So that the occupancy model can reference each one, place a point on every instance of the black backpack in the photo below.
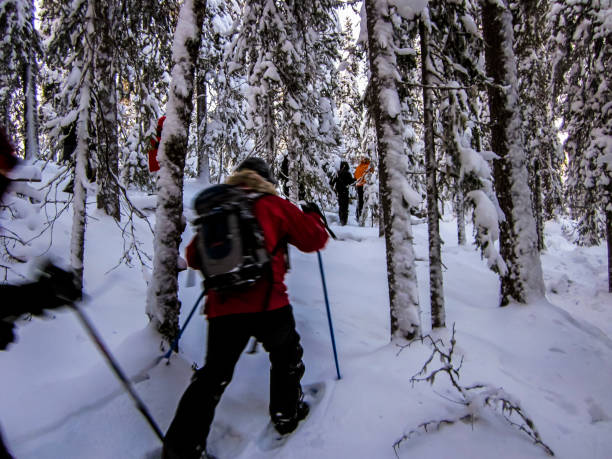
(230, 240)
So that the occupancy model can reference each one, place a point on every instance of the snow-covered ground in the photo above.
(58, 398)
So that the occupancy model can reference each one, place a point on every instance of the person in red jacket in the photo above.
(153, 164)
(262, 311)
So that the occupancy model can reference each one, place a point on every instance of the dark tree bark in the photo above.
(107, 174)
(518, 238)
(538, 205)
(609, 235)
(436, 289)
(31, 102)
(202, 127)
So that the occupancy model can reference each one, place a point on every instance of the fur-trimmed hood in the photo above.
(251, 179)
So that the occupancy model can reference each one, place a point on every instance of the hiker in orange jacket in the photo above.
(361, 172)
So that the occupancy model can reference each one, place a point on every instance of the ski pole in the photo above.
(174, 344)
(329, 319)
(143, 374)
(118, 371)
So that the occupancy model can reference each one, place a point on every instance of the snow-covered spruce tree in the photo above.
(523, 281)
(582, 63)
(211, 81)
(226, 139)
(286, 50)
(105, 90)
(542, 145)
(396, 195)
(143, 60)
(163, 305)
(19, 50)
(356, 124)
(59, 86)
(70, 36)
(313, 134)
(452, 66)
(255, 53)
(348, 98)
(411, 113)
(468, 177)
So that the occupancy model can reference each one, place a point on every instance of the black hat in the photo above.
(257, 165)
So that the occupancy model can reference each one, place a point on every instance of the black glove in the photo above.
(7, 335)
(56, 287)
(312, 207)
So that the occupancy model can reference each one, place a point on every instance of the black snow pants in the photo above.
(227, 338)
(359, 201)
(343, 205)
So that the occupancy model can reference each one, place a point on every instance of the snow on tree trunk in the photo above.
(396, 195)
(436, 289)
(107, 174)
(460, 212)
(163, 305)
(202, 128)
(31, 112)
(81, 182)
(523, 280)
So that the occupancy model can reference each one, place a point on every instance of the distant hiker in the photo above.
(361, 172)
(284, 175)
(261, 310)
(54, 288)
(153, 164)
(341, 182)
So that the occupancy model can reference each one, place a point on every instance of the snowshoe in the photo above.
(279, 430)
(284, 425)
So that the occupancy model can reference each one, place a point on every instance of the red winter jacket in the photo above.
(278, 219)
(153, 164)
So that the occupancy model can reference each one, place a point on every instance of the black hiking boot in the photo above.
(284, 425)
(169, 453)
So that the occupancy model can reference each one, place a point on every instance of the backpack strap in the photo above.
(282, 242)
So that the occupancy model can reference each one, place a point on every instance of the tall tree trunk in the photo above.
(107, 174)
(31, 105)
(163, 305)
(609, 233)
(202, 127)
(401, 265)
(31, 112)
(460, 211)
(269, 143)
(293, 172)
(518, 237)
(79, 219)
(436, 289)
(538, 206)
